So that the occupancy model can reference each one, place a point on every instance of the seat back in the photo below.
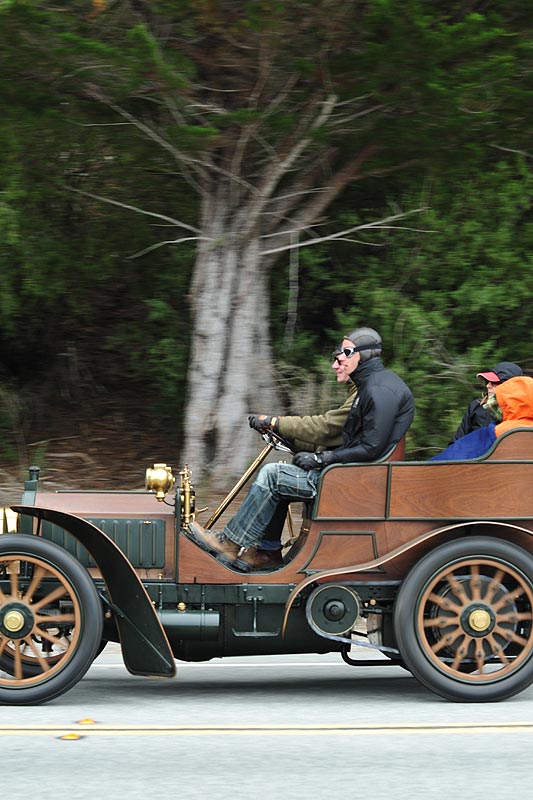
(395, 453)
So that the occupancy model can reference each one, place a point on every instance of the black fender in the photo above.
(145, 647)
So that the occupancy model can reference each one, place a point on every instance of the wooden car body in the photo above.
(371, 543)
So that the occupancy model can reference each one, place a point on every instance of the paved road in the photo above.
(283, 727)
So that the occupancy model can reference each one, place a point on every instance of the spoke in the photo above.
(3, 598)
(52, 619)
(40, 658)
(497, 649)
(475, 582)
(458, 589)
(493, 586)
(59, 640)
(446, 641)
(442, 622)
(510, 636)
(55, 595)
(444, 602)
(479, 653)
(461, 652)
(38, 575)
(14, 578)
(18, 662)
(515, 616)
(3, 645)
(508, 597)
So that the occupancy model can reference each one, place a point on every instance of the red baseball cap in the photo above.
(489, 376)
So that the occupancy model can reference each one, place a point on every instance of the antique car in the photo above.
(427, 565)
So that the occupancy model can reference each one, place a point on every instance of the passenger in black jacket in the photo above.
(381, 413)
(478, 415)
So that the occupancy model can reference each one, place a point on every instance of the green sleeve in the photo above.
(318, 431)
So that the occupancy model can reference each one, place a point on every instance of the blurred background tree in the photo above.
(167, 174)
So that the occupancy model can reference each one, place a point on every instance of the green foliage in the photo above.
(441, 87)
(448, 302)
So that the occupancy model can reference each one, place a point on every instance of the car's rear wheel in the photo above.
(50, 620)
(463, 620)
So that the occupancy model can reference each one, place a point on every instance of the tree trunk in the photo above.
(230, 367)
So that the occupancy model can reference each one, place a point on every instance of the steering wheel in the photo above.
(276, 441)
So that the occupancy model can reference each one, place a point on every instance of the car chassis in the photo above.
(428, 563)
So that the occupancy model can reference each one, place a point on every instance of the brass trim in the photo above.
(238, 486)
(479, 619)
(187, 496)
(13, 621)
(159, 477)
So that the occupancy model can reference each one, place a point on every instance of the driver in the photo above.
(310, 433)
(380, 415)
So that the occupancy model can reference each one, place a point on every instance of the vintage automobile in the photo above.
(428, 564)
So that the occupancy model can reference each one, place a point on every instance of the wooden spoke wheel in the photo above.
(50, 620)
(463, 620)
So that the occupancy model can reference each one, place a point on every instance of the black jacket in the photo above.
(474, 417)
(380, 415)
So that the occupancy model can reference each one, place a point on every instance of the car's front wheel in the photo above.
(463, 620)
(50, 620)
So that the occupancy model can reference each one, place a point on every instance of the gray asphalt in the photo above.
(275, 726)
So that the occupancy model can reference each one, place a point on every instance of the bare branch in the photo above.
(291, 231)
(510, 150)
(98, 124)
(84, 69)
(170, 241)
(378, 173)
(349, 172)
(135, 208)
(361, 241)
(377, 225)
(275, 172)
(196, 163)
(146, 129)
(303, 185)
(290, 195)
(187, 172)
(357, 114)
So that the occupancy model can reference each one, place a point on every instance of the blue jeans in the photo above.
(272, 539)
(274, 484)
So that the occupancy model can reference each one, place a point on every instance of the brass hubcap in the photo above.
(14, 621)
(479, 620)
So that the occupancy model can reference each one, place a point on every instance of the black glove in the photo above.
(308, 461)
(260, 422)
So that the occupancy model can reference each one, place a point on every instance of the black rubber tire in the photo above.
(36, 685)
(422, 622)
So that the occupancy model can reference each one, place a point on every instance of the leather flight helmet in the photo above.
(367, 341)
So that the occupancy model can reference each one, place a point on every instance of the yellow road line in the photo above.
(266, 730)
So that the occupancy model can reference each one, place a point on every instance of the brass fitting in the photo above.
(187, 496)
(159, 478)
